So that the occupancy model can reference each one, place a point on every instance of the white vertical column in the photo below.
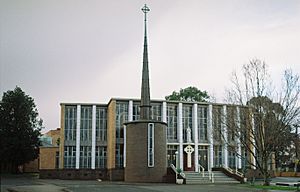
(253, 141)
(195, 131)
(238, 139)
(180, 136)
(78, 136)
(164, 112)
(130, 111)
(224, 129)
(211, 137)
(93, 137)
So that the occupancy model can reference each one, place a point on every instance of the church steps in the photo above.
(219, 178)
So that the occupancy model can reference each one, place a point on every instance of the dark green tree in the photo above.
(189, 94)
(19, 130)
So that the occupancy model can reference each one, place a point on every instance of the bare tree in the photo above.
(265, 116)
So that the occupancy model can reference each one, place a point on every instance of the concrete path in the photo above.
(31, 183)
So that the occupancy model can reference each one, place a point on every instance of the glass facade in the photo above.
(232, 157)
(136, 111)
(70, 137)
(203, 156)
(156, 111)
(218, 156)
(217, 123)
(187, 122)
(231, 124)
(101, 124)
(244, 157)
(121, 116)
(100, 158)
(86, 124)
(85, 157)
(171, 154)
(69, 157)
(172, 123)
(70, 123)
(119, 156)
(202, 124)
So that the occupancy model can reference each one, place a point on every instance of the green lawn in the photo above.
(272, 187)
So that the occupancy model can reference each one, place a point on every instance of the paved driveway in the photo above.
(26, 183)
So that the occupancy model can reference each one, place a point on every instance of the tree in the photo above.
(267, 128)
(19, 131)
(189, 94)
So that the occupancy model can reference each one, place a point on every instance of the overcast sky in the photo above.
(91, 50)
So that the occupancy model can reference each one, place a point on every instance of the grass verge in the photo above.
(273, 187)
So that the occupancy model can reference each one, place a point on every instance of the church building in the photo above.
(194, 135)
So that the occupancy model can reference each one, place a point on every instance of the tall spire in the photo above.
(145, 92)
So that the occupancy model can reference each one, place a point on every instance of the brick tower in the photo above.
(146, 150)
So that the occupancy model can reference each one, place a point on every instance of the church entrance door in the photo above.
(188, 159)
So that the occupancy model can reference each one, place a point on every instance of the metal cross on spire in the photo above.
(145, 9)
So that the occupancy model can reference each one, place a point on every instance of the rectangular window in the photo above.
(217, 123)
(56, 159)
(100, 157)
(187, 112)
(231, 156)
(202, 124)
(86, 124)
(218, 160)
(119, 156)
(136, 111)
(156, 111)
(150, 145)
(69, 157)
(85, 156)
(121, 118)
(232, 125)
(70, 123)
(244, 157)
(101, 121)
(171, 154)
(172, 123)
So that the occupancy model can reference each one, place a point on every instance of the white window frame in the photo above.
(150, 146)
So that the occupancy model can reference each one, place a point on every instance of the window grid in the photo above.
(69, 157)
(202, 124)
(156, 111)
(150, 145)
(218, 160)
(70, 123)
(121, 117)
(231, 156)
(101, 124)
(100, 157)
(171, 155)
(86, 123)
(85, 157)
(136, 111)
(217, 123)
(231, 123)
(172, 123)
(119, 156)
(187, 112)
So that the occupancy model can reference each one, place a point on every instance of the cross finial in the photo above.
(145, 9)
